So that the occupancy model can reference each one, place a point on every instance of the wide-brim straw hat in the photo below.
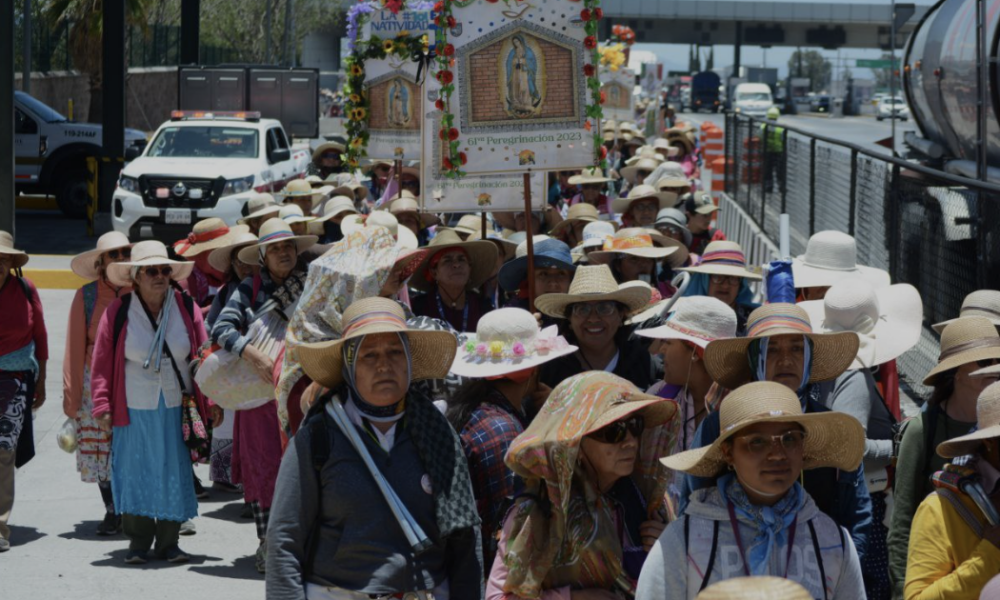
(633, 241)
(581, 212)
(271, 232)
(292, 214)
(830, 257)
(7, 248)
(681, 253)
(723, 258)
(260, 205)
(645, 152)
(643, 192)
(833, 439)
(300, 188)
(327, 146)
(431, 352)
(509, 246)
(206, 235)
(336, 205)
(593, 284)
(469, 225)
(680, 136)
(888, 321)
(221, 258)
(966, 340)
(482, 259)
(407, 203)
(832, 353)
(630, 172)
(987, 425)
(980, 303)
(147, 254)
(761, 587)
(508, 340)
(696, 319)
(86, 264)
(405, 238)
(591, 175)
(669, 175)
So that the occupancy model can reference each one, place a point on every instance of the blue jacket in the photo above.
(841, 495)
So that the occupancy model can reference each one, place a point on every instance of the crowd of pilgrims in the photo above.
(417, 432)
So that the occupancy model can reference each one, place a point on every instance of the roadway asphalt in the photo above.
(55, 553)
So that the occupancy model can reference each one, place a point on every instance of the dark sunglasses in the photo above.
(616, 432)
(152, 272)
(986, 362)
(116, 254)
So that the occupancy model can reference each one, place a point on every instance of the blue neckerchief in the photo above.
(771, 522)
(22, 359)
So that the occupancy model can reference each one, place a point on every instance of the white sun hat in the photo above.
(87, 264)
(696, 319)
(292, 213)
(147, 254)
(508, 340)
(887, 321)
(980, 303)
(830, 257)
(596, 233)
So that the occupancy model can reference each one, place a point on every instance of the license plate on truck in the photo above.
(178, 216)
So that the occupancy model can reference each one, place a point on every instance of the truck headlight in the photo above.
(238, 186)
(129, 184)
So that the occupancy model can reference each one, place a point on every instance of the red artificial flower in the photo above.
(589, 70)
(590, 42)
(616, 30)
(462, 158)
(442, 134)
(604, 152)
(448, 50)
(446, 164)
(394, 5)
(437, 20)
(439, 6)
(585, 14)
(451, 21)
(598, 14)
(452, 134)
(439, 104)
(603, 97)
(445, 77)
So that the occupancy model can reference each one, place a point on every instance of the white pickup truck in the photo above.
(200, 165)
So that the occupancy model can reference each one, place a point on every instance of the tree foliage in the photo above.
(814, 66)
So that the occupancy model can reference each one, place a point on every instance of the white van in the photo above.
(752, 99)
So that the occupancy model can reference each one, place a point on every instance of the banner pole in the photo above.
(399, 177)
(485, 233)
(529, 239)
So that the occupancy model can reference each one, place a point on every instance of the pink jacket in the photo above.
(107, 376)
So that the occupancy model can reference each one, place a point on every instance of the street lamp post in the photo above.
(892, 75)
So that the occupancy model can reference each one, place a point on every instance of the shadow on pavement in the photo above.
(116, 558)
(228, 512)
(242, 568)
(86, 530)
(49, 232)
(21, 536)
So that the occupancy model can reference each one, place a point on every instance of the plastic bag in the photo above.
(66, 438)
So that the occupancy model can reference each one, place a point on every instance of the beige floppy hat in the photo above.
(221, 258)
(508, 340)
(633, 241)
(833, 439)
(645, 152)
(86, 264)
(146, 254)
(887, 321)
(987, 425)
(631, 172)
(407, 203)
(300, 188)
(432, 352)
(593, 284)
(762, 587)
(336, 206)
(965, 340)
(980, 303)
(7, 247)
(336, 146)
(642, 192)
(831, 256)
(271, 232)
(260, 205)
(723, 258)
(581, 212)
(207, 234)
(470, 225)
(292, 213)
(670, 175)
(726, 359)
(482, 259)
(591, 175)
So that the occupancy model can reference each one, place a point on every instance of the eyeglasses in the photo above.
(617, 432)
(646, 207)
(603, 309)
(720, 279)
(153, 272)
(761, 444)
(329, 155)
(124, 253)
(670, 230)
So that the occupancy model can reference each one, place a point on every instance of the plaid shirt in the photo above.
(486, 438)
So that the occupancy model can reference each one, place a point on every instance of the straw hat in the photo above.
(831, 256)
(726, 360)
(680, 136)
(315, 181)
(509, 247)
(549, 253)
(596, 233)
(674, 217)
(642, 192)
(670, 175)
(207, 234)
(300, 188)
(221, 258)
(631, 172)
(7, 248)
(260, 205)
(980, 303)
(145, 254)
(696, 319)
(432, 352)
(318, 152)
(292, 213)
(405, 238)
(591, 175)
(987, 425)
(593, 284)
(272, 232)
(336, 206)
(482, 259)
(469, 225)
(887, 321)
(581, 212)
(407, 203)
(345, 184)
(645, 152)
(633, 241)
(723, 258)
(762, 587)
(833, 439)
(965, 340)
(85, 264)
(508, 340)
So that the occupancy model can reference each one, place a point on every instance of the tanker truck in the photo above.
(940, 83)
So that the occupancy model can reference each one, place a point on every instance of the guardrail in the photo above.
(936, 231)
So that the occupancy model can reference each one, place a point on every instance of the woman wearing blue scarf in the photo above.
(722, 273)
(758, 519)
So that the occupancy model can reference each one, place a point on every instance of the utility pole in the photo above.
(26, 63)
(892, 74)
(268, 21)
(983, 78)
(7, 116)
(289, 51)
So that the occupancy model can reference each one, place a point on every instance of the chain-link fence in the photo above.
(935, 231)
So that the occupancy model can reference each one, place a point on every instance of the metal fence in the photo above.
(936, 231)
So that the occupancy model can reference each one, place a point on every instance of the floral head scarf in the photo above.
(567, 535)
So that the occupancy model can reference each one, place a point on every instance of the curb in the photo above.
(55, 279)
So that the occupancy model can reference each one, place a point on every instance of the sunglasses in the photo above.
(617, 432)
(603, 309)
(761, 444)
(720, 279)
(986, 362)
(124, 253)
(152, 272)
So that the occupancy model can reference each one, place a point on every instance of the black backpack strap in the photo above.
(25, 286)
(711, 555)
(930, 429)
(819, 557)
(120, 318)
(320, 443)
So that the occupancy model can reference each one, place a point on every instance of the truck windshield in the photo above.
(754, 97)
(207, 142)
(41, 110)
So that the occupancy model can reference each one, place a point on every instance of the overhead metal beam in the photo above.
(7, 116)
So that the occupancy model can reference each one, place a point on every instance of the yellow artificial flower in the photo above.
(355, 98)
(425, 42)
(357, 142)
(613, 57)
(402, 34)
(353, 163)
(388, 46)
(360, 114)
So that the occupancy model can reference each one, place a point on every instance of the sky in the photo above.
(675, 57)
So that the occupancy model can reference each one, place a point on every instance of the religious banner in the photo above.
(619, 100)
(519, 85)
(395, 106)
